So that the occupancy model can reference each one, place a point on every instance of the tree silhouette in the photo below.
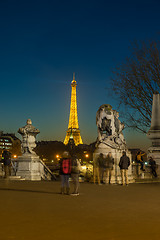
(134, 83)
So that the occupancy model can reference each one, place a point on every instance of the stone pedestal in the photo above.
(29, 167)
(116, 153)
(154, 132)
(111, 139)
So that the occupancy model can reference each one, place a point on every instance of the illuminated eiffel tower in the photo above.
(73, 128)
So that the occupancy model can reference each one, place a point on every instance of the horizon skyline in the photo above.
(43, 43)
(128, 138)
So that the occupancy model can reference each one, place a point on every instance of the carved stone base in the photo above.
(29, 167)
(116, 173)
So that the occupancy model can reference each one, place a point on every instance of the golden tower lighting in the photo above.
(73, 128)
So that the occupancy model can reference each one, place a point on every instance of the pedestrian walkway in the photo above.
(36, 210)
(146, 180)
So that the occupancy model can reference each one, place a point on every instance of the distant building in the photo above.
(10, 142)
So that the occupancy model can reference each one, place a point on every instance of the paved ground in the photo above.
(35, 210)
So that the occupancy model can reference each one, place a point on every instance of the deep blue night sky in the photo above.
(43, 42)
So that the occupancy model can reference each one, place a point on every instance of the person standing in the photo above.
(109, 162)
(101, 161)
(153, 166)
(139, 159)
(76, 167)
(96, 171)
(124, 164)
(6, 160)
(65, 171)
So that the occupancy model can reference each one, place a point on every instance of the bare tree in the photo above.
(134, 83)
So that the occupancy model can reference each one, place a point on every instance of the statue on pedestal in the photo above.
(30, 166)
(111, 140)
(110, 128)
(28, 133)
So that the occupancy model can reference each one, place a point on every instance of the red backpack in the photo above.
(66, 166)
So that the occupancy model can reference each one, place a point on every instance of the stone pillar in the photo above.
(154, 132)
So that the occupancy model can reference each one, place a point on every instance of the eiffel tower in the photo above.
(73, 128)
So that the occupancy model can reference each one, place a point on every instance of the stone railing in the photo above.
(139, 174)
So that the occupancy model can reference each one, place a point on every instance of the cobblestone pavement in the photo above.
(36, 210)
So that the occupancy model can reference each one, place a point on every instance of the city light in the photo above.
(83, 167)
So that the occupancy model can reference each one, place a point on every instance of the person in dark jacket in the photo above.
(124, 164)
(96, 170)
(153, 166)
(6, 160)
(76, 167)
(65, 171)
(101, 160)
(109, 162)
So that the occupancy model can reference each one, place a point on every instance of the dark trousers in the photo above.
(7, 171)
(154, 172)
(142, 165)
(101, 173)
(65, 181)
